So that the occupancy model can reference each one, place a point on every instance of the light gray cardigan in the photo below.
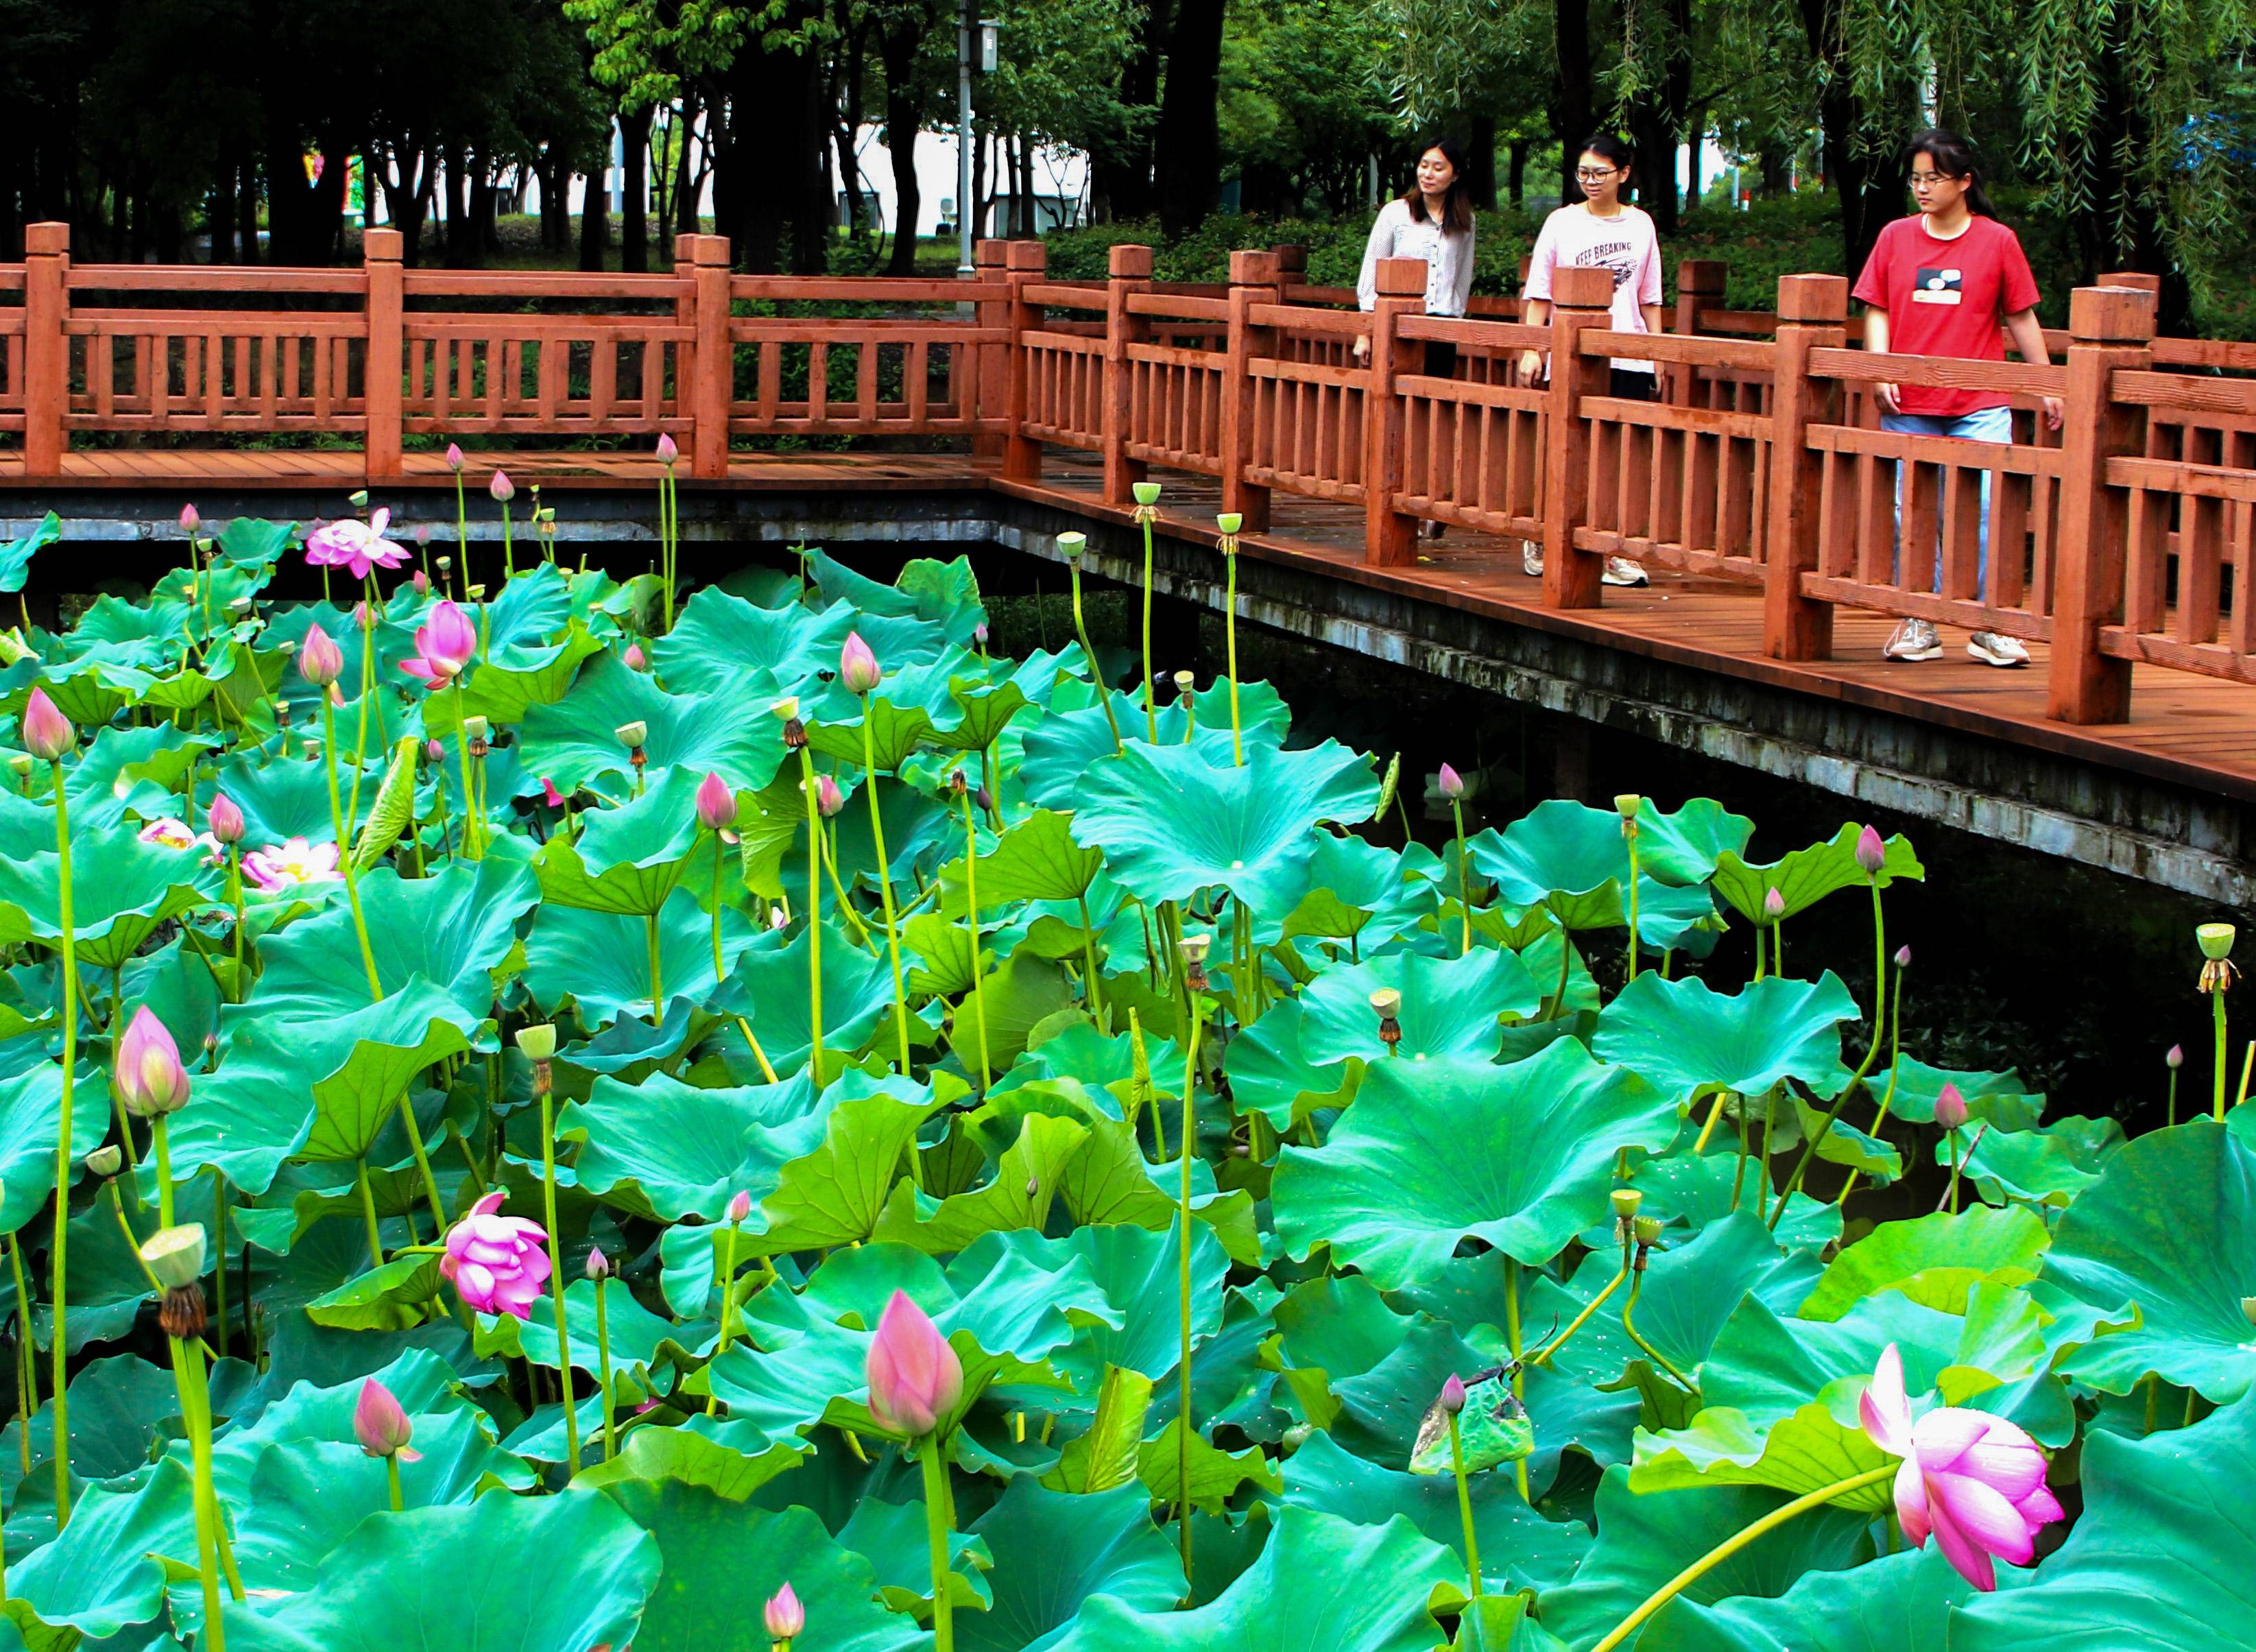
(1449, 259)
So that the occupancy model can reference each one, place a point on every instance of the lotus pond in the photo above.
(539, 1115)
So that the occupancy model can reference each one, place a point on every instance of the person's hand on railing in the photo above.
(1888, 398)
(2056, 411)
(1361, 348)
(1531, 367)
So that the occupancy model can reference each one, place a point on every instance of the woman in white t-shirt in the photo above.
(1602, 232)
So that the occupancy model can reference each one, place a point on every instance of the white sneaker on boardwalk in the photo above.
(1621, 570)
(1993, 650)
(1914, 639)
(1531, 560)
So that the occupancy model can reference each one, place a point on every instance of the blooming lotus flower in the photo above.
(857, 666)
(354, 546)
(667, 453)
(48, 732)
(1949, 1106)
(1974, 1480)
(226, 820)
(381, 1426)
(445, 645)
(1871, 853)
(148, 1068)
(318, 659)
(502, 488)
(287, 865)
(455, 460)
(1449, 783)
(784, 1616)
(717, 804)
(499, 1263)
(174, 833)
(914, 1377)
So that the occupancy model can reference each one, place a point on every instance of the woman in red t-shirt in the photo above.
(1941, 283)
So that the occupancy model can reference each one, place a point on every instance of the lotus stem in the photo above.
(345, 848)
(2247, 1072)
(195, 1411)
(159, 1135)
(1151, 700)
(728, 1314)
(1465, 884)
(359, 737)
(2172, 1117)
(1465, 1506)
(26, 1373)
(1629, 1307)
(461, 530)
(935, 1525)
(219, 1250)
(1542, 1356)
(367, 1215)
(971, 894)
(1881, 1120)
(234, 899)
(886, 894)
(508, 547)
(1566, 961)
(1879, 1016)
(1732, 1544)
(668, 539)
(1230, 638)
(1093, 983)
(655, 947)
(1714, 1112)
(1183, 1277)
(2217, 1006)
(542, 1083)
(813, 913)
(56, 1258)
(604, 1371)
(1080, 630)
(1511, 1341)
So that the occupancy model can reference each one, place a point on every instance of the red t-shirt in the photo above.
(1946, 297)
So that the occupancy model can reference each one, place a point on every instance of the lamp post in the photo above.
(970, 30)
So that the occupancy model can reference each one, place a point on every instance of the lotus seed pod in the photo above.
(175, 1255)
(537, 1043)
(786, 708)
(2215, 940)
(1647, 1229)
(476, 728)
(1194, 948)
(1627, 804)
(357, 498)
(1387, 1003)
(1146, 492)
(1626, 1200)
(1184, 681)
(105, 1160)
(631, 735)
(1072, 545)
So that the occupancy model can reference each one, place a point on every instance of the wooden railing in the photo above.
(2128, 536)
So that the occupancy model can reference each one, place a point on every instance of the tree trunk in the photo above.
(634, 209)
(773, 168)
(1029, 223)
(221, 214)
(1121, 176)
(485, 234)
(685, 177)
(1777, 163)
(555, 203)
(246, 207)
(1515, 174)
(1573, 96)
(1481, 152)
(902, 118)
(1189, 160)
(2120, 226)
(595, 221)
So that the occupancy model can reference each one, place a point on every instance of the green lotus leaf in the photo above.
(1378, 1581)
(1053, 1552)
(1172, 821)
(1102, 1065)
(31, 1130)
(722, 1455)
(1696, 1190)
(2002, 1100)
(1801, 1452)
(122, 1411)
(600, 961)
(388, 1297)
(2051, 1165)
(286, 799)
(722, 643)
(769, 987)
(1018, 1195)
(366, 1061)
(1807, 875)
(1061, 748)
(1214, 1477)
(16, 555)
(1036, 859)
(1364, 1373)
(1357, 891)
(2153, 1558)
(981, 713)
(835, 1194)
(1451, 1008)
(574, 744)
(1104, 1456)
(1899, 1603)
(1519, 1549)
(1269, 1073)
(668, 1149)
(511, 679)
(253, 541)
(1684, 848)
(2168, 1228)
(1688, 1040)
(100, 1574)
(895, 730)
(945, 595)
(1562, 856)
(578, 1572)
(1644, 1540)
(1432, 1152)
(892, 1537)
(123, 891)
(628, 859)
(1935, 1259)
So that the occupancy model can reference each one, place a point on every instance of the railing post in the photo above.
(1813, 314)
(2109, 327)
(1292, 270)
(1580, 299)
(1129, 271)
(990, 374)
(1253, 281)
(713, 370)
(1026, 262)
(1389, 536)
(1700, 284)
(384, 363)
(46, 351)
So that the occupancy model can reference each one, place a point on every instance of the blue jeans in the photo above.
(1983, 424)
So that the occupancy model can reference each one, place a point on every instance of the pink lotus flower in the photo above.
(227, 823)
(1773, 905)
(828, 797)
(1974, 1480)
(381, 1426)
(354, 546)
(1871, 853)
(419, 579)
(549, 794)
(857, 666)
(717, 804)
(433, 752)
(636, 661)
(148, 1069)
(1950, 1107)
(1449, 783)
(915, 1379)
(174, 833)
(502, 488)
(455, 460)
(190, 521)
(445, 645)
(287, 865)
(598, 1266)
(740, 1205)
(499, 1263)
(318, 659)
(667, 453)
(784, 1616)
(48, 732)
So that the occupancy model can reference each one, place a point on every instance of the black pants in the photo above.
(1440, 358)
(1626, 386)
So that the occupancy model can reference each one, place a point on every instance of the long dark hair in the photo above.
(1954, 157)
(1457, 204)
(1615, 152)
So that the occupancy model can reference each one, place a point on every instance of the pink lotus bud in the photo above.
(422, 533)
(740, 1205)
(1871, 853)
(1950, 1107)
(549, 794)
(421, 582)
(499, 1263)
(148, 1068)
(1773, 905)
(225, 819)
(599, 1266)
(380, 1425)
(455, 460)
(636, 661)
(915, 1379)
(502, 488)
(1453, 1395)
(48, 732)
(828, 797)
(433, 752)
(360, 618)
(2175, 1059)
(1449, 783)
(667, 453)
(189, 520)
(318, 659)
(979, 633)
(858, 666)
(717, 804)
(776, 919)
(784, 1616)
(1903, 958)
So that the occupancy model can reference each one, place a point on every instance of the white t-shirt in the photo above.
(1449, 259)
(1626, 244)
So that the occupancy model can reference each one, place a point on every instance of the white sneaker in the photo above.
(1620, 570)
(1914, 639)
(1531, 560)
(1992, 650)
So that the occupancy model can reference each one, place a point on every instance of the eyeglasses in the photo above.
(1595, 174)
(1928, 180)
